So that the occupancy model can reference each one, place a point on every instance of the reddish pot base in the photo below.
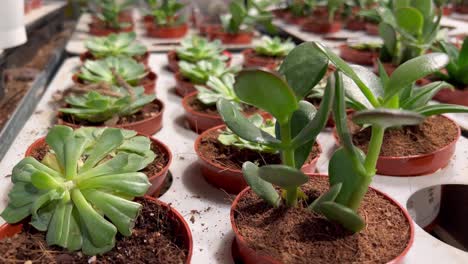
(362, 57)
(252, 59)
(227, 179)
(228, 38)
(322, 27)
(167, 32)
(101, 31)
(242, 251)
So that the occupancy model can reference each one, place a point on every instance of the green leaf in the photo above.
(425, 7)
(423, 95)
(263, 189)
(56, 139)
(329, 196)
(389, 36)
(439, 109)
(13, 215)
(132, 183)
(386, 118)
(304, 60)
(282, 176)
(300, 118)
(354, 93)
(413, 70)
(44, 181)
(463, 55)
(266, 91)
(410, 20)
(110, 139)
(122, 163)
(64, 230)
(343, 215)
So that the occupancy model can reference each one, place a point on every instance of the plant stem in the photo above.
(374, 150)
(287, 156)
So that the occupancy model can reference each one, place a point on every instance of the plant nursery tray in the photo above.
(76, 45)
(205, 208)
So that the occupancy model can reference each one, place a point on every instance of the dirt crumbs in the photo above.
(154, 240)
(296, 235)
(233, 157)
(434, 133)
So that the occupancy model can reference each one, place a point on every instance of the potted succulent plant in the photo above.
(237, 25)
(76, 189)
(111, 18)
(110, 69)
(118, 106)
(168, 23)
(194, 49)
(115, 45)
(408, 30)
(407, 150)
(222, 150)
(269, 53)
(298, 11)
(355, 21)
(363, 53)
(191, 74)
(282, 202)
(454, 73)
(328, 24)
(200, 106)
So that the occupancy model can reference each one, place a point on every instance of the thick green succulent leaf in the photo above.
(343, 215)
(354, 93)
(26, 167)
(88, 247)
(242, 127)
(282, 176)
(413, 70)
(23, 193)
(423, 95)
(56, 139)
(386, 118)
(304, 60)
(44, 181)
(329, 196)
(13, 215)
(438, 109)
(132, 183)
(300, 118)
(41, 214)
(410, 20)
(266, 91)
(110, 139)
(389, 35)
(63, 228)
(463, 55)
(262, 188)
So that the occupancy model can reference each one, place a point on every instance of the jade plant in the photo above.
(115, 45)
(198, 73)
(195, 48)
(244, 15)
(81, 193)
(102, 105)
(458, 65)
(167, 13)
(408, 29)
(110, 10)
(274, 47)
(110, 69)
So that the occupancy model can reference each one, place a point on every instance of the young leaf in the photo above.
(410, 20)
(282, 176)
(386, 118)
(263, 189)
(343, 215)
(423, 95)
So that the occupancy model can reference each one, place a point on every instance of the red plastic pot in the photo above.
(182, 228)
(173, 60)
(415, 165)
(228, 179)
(252, 59)
(240, 38)
(148, 83)
(178, 31)
(183, 86)
(292, 19)
(459, 97)
(372, 29)
(141, 59)
(356, 24)
(362, 57)
(461, 8)
(28, 6)
(36, 4)
(321, 26)
(148, 126)
(280, 13)
(206, 29)
(97, 29)
(157, 180)
(248, 255)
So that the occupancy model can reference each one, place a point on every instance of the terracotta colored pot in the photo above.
(183, 86)
(415, 165)
(178, 31)
(141, 59)
(280, 13)
(148, 83)
(459, 97)
(173, 60)
(36, 4)
(362, 57)
(447, 10)
(157, 180)
(200, 122)
(250, 256)
(206, 29)
(182, 228)
(461, 8)
(240, 38)
(295, 20)
(251, 59)
(228, 179)
(148, 19)
(372, 29)
(148, 126)
(320, 12)
(356, 24)
(321, 26)
(97, 29)
(28, 6)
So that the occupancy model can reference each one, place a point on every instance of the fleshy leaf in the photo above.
(262, 188)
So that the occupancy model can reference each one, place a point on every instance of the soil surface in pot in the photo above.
(434, 133)
(153, 239)
(198, 106)
(152, 169)
(150, 110)
(296, 235)
(233, 157)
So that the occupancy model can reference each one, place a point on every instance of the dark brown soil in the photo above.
(297, 235)
(154, 240)
(436, 132)
(148, 111)
(198, 106)
(233, 157)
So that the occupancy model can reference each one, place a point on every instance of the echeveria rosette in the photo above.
(200, 72)
(81, 192)
(274, 47)
(115, 45)
(96, 107)
(195, 48)
(96, 71)
(218, 88)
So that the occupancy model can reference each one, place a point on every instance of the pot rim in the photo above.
(221, 168)
(237, 234)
